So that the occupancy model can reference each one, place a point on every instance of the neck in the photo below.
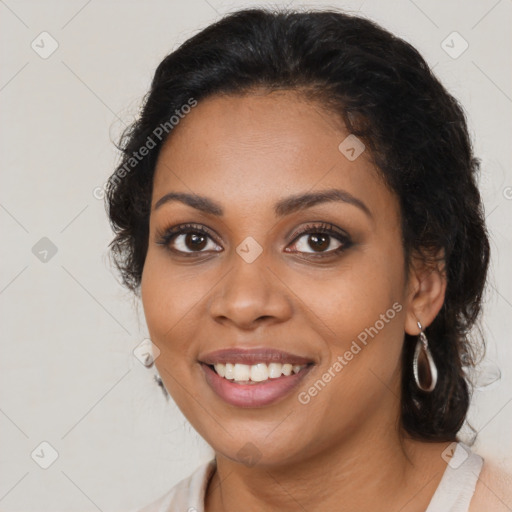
(371, 470)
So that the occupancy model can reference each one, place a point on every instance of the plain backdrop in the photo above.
(68, 376)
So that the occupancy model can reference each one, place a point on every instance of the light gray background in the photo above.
(67, 375)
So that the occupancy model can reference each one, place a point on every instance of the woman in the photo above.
(297, 208)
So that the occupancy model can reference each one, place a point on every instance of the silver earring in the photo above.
(424, 368)
(160, 383)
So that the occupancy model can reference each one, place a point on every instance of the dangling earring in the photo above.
(160, 383)
(424, 368)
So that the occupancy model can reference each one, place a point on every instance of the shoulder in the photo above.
(187, 494)
(493, 490)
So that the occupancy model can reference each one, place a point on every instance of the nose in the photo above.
(250, 294)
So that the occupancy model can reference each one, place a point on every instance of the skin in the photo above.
(493, 491)
(343, 450)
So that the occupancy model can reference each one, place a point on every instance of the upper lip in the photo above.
(253, 356)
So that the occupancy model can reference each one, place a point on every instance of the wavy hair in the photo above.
(416, 133)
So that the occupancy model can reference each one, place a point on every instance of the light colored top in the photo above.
(457, 486)
(453, 493)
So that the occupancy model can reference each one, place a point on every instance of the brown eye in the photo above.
(320, 242)
(195, 242)
(188, 239)
(191, 242)
(321, 239)
(317, 242)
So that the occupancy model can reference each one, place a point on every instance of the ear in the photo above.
(425, 291)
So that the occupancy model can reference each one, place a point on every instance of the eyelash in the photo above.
(167, 235)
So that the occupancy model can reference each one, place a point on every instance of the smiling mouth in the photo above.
(257, 373)
(272, 382)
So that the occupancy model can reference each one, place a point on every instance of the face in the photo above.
(253, 275)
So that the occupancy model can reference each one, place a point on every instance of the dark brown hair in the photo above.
(387, 95)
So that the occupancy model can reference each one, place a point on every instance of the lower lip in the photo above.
(253, 395)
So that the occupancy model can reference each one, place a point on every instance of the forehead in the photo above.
(257, 148)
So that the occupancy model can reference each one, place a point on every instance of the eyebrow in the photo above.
(283, 207)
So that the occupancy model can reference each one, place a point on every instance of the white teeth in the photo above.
(274, 370)
(257, 372)
(220, 369)
(229, 371)
(287, 369)
(242, 372)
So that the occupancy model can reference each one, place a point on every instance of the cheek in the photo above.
(361, 318)
(351, 298)
(170, 299)
(359, 311)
